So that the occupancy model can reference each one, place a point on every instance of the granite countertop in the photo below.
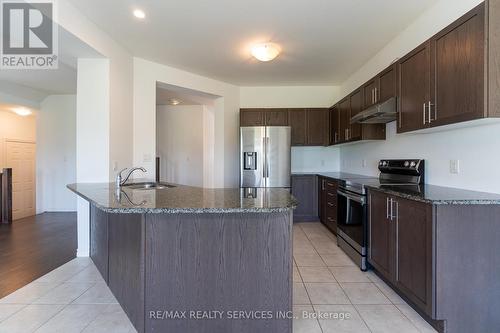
(439, 195)
(433, 194)
(333, 175)
(184, 199)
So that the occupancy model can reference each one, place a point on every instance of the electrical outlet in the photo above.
(115, 166)
(455, 167)
(322, 162)
(363, 163)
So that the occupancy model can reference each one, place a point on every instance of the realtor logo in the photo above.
(29, 34)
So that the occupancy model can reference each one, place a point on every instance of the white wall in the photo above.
(56, 154)
(475, 147)
(92, 135)
(304, 159)
(112, 136)
(315, 159)
(225, 121)
(119, 80)
(289, 97)
(179, 144)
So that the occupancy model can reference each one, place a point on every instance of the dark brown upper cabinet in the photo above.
(276, 117)
(380, 88)
(297, 120)
(334, 125)
(354, 132)
(344, 107)
(458, 60)
(264, 117)
(414, 89)
(317, 127)
(387, 84)
(252, 117)
(369, 91)
(445, 80)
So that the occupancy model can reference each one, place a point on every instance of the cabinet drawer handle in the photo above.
(330, 184)
(331, 204)
(330, 219)
(331, 194)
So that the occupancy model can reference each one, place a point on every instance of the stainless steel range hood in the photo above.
(381, 113)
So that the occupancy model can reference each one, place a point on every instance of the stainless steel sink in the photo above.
(148, 186)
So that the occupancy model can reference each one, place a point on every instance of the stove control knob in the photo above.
(384, 163)
(413, 164)
(407, 164)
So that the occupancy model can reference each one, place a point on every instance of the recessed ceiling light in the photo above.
(22, 111)
(174, 101)
(266, 51)
(139, 14)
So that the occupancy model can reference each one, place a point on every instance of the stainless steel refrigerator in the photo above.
(265, 156)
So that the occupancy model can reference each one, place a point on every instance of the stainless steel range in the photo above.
(352, 216)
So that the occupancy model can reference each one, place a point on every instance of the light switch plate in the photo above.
(363, 163)
(455, 167)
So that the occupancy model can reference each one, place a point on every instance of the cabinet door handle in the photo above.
(387, 209)
(392, 210)
(373, 101)
(430, 110)
(323, 184)
(376, 94)
(336, 138)
(423, 112)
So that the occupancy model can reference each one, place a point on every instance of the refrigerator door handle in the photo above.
(266, 151)
(264, 147)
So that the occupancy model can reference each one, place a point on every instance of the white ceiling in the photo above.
(166, 92)
(324, 41)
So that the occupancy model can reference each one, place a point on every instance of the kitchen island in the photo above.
(186, 259)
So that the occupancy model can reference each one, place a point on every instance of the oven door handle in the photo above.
(352, 197)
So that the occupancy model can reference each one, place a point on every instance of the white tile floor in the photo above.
(74, 298)
(327, 282)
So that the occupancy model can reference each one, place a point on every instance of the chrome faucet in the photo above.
(120, 181)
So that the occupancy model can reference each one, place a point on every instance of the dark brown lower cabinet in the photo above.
(443, 259)
(305, 190)
(381, 232)
(400, 238)
(413, 223)
(328, 202)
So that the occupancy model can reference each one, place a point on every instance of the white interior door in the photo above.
(20, 156)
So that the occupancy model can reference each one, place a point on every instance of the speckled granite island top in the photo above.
(184, 199)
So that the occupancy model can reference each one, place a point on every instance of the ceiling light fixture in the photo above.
(139, 14)
(174, 101)
(23, 112)
(266, 51)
